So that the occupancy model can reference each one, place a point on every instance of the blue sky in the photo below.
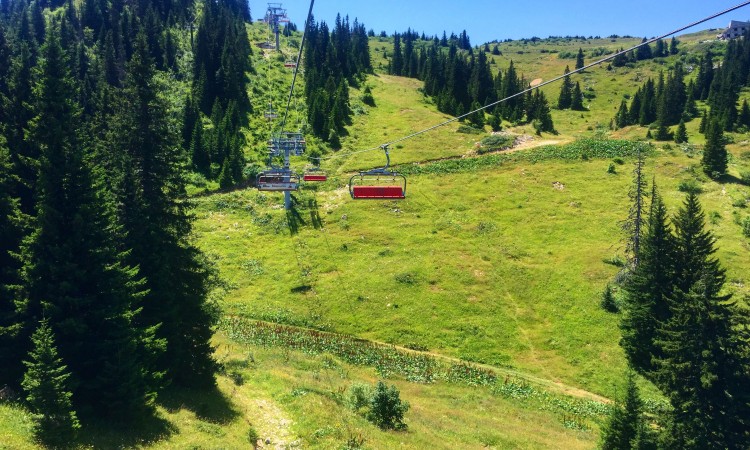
(487, 20)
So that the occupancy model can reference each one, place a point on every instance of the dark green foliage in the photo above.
(225, 176)
(566, 92)
(222, 58)
(705, 362)
(673, 50)
(75, 178)
(333, 60)
(647, 289)
(608, 302)
(681, 135)
(11, 233)
(744, 117)
(714, 161)
(367, 97)
(539, 113)
(643, 52)
(576, 100)
(621, 119)
(386, 408)
(703, 126)
(579, 59)
(47, 391)
(199, 152)
(157, 222)
(74, 273)
(477, 119)
(626, 427)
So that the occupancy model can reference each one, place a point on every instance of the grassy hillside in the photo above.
(491, 272)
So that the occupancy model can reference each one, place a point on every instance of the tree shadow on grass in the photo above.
(731, 179)
(145, 430)
(317, 221)
(210, 405)
(294, 218)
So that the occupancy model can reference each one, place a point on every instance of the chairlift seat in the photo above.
(378, 192)
(314, 177)
(278, 181)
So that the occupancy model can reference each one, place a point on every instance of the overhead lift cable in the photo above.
(553, 80)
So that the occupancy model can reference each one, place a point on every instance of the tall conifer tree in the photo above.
(74, 272)
(705, 356)
(11, 233)
(46, 385)
(647, 290)
(158, 225)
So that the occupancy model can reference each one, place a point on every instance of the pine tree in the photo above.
(635, 223)
(576, 103)
(198, 151)
(673, 50)
(744, 117)
(705, 363)
(225, 176)
(626, 425)
(703, 126)
(48, 392)
(11, 233)
(566, 91)
(73, 266)
(579, 59)
(647, 289)
(644, 51)
(621, 119)
(714, 160)
(397, 61)
(477, 119)
(158, 223)
(681, 135)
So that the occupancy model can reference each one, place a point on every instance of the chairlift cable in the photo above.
(596, 63)
(296, 69)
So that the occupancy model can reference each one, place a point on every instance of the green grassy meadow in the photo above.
(500, 266)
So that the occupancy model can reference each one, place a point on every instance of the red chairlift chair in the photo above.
(378, 184)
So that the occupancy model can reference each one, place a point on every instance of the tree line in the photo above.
(103, 294)
(334, 59)
(461, 81)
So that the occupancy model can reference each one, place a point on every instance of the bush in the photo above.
(359, 397)
(612, 168)
(746, 227)
(467, 129)
(745, 177)
(496, 142)
(367, 97)
(386, 408)
(690, 186)
(608, 302)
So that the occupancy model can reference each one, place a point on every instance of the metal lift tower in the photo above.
(274, 16)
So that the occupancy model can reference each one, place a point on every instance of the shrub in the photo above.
(253, 437)
(467, 129)
(496, 142)
(608, 302)
(386, 408)
(611, 168)
(746, 227)
(367, 97)
(690, 186)
(406, 278)
(359, 397)
(745, 178)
